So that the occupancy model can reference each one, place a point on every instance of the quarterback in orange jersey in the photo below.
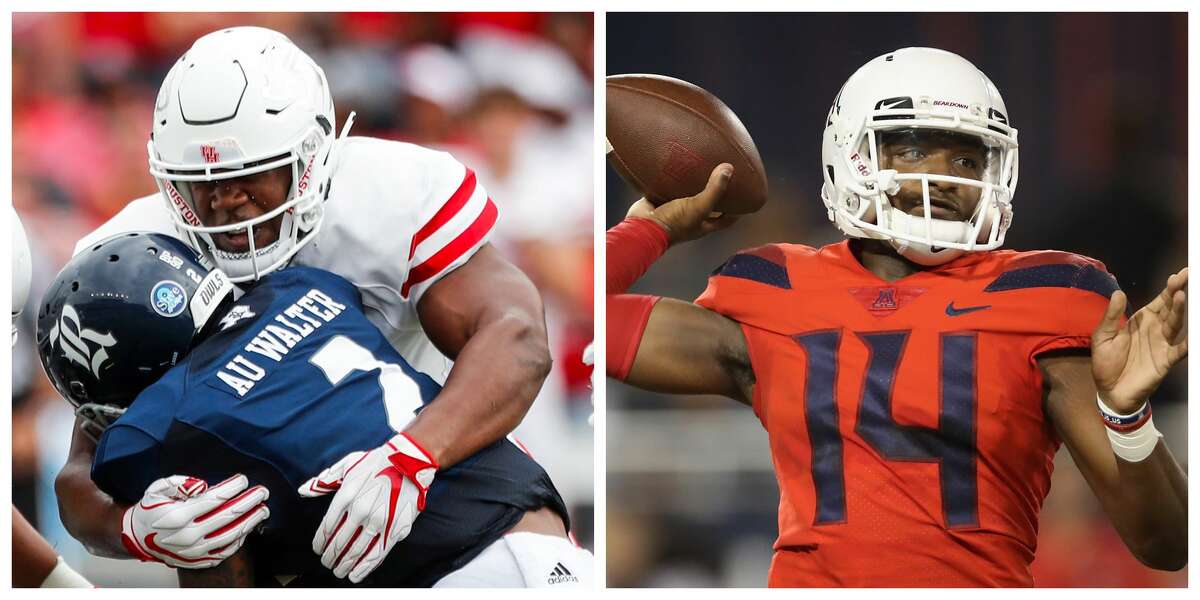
(915, 381)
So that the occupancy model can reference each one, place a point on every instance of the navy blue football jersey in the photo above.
(297, 378)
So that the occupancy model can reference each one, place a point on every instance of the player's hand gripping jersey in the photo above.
(296, 379)
(905, 419)
(398, 218)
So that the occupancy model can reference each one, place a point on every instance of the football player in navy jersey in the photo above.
(291, 388)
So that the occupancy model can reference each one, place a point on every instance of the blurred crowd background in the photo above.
(1101, 105)
(509, 94)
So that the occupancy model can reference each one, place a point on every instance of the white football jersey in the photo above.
(398, 218)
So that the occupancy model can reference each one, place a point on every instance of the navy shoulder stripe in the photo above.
(755, 268)
(1082, 277)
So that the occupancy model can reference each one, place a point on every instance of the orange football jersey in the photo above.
(906, 419)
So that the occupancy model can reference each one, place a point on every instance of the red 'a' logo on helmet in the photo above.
(210, 154)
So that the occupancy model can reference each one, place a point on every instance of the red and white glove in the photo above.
(379, 495)
(184, 523)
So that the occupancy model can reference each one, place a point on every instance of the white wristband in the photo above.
(63, 576)
(1132, 445)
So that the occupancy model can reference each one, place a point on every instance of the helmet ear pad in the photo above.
(124, 312)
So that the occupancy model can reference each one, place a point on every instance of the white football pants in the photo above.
(524, 559)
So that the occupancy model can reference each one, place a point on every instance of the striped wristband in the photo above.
(1133, 436)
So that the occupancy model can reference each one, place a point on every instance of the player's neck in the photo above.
(878, 257)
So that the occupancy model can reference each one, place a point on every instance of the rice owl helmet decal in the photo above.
(168, 298)
(75, 341)
(89, 349)
(120, 314)
(920, 90)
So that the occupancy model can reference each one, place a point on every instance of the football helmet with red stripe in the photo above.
(243, 101)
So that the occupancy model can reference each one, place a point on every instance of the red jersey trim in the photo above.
(466, 240)
(448, 210)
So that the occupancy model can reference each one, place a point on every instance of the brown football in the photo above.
(666, 136)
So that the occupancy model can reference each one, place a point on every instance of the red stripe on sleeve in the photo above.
(446, 212)
(627, 317)
(452, 251)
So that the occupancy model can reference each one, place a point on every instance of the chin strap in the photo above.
(920, 252)
(923, 254)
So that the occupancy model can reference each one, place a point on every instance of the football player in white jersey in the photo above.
(251, 173)
(35, 562)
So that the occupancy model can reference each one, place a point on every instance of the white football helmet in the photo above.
(22, 271)
(241, 101)
(917, 88)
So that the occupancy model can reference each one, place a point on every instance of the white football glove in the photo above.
(184, 523)
(379, 495)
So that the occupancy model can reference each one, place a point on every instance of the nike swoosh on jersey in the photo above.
(954, 312)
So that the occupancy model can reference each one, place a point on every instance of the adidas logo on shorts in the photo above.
(560, 574)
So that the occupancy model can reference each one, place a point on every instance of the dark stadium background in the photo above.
(83, 91)
(1100, 101)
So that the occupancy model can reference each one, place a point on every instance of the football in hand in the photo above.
(665, 136)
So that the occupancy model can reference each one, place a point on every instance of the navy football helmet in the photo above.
(120, 315)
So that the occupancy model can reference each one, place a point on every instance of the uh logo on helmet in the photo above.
(242, 101)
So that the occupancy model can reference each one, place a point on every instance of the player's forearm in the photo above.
(1148, 506)
(492, 385)
(682, 348)
(669, 346)
(489, 318)
(631, 247)
(1147, 499)
(35, 563)
(1147, 490)
(32, 557)
(89, 515)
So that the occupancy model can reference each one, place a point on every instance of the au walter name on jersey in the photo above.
(277, 338)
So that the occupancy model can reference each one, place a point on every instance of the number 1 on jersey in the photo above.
(401, 395)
